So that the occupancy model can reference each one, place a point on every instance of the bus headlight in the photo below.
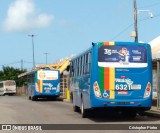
(97, 91)
(147, 90)
(58, 88)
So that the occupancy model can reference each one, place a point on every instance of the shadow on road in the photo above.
(100, 115)
(49, 99)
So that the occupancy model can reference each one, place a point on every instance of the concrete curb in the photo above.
(152, 113)
(66, 100)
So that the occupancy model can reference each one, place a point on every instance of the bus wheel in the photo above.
(75, 108)
(33, 98)
(29, 97)
(84, 112)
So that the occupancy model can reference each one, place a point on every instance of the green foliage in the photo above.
(10, 73)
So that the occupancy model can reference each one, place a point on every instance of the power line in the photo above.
(21, 62)
(155, 4)
(29, 62)
(140, 20)
(11, 63)
(122, 32)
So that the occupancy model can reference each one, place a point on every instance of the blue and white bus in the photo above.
(43, 83)
(112, 75)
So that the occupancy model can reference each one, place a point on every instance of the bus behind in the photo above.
(43, 84)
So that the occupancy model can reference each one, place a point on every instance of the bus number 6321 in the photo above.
(121, 87)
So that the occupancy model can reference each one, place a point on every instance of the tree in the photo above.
(10, 73)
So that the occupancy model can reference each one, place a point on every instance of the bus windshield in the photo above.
(124, 56)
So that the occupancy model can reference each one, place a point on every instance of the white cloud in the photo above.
(21, 16)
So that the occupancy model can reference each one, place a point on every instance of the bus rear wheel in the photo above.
(84, 112)
(75, 108)
(33, 98)
(29, 97)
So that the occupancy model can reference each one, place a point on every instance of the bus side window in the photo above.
(86, 60)
(89, 62)
(76, 68)
(79, 66)
(72, 69)
(78, 62)
(82, 65)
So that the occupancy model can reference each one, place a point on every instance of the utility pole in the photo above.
(32, 35)
(46, 56)
(135, 21)
(22, 64)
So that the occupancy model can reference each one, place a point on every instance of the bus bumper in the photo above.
(57, 94)
(137, 103)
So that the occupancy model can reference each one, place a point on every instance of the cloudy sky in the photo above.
(22, 16)
(67, 27)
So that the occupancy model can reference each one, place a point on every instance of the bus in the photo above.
(7, 87)
(43, 83)
(112, 75)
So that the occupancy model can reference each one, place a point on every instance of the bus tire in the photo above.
(29, 97)
(84, 112)
(33, 98)
(75, 108)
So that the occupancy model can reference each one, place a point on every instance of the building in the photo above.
(155, 47)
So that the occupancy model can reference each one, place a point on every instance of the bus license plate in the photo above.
(136, 87)
(47, 90)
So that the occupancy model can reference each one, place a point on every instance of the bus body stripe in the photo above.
(111, 43)
(41, 85)
(106, 73)
(112, 83)
(106, 78)
(112, 78)
(38, 85)
(106, 43)
(101, 78)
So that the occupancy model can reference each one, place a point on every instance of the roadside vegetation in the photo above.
(11, 73)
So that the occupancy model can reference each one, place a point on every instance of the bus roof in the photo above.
(31, 72)
(86, 51)
(125, 43)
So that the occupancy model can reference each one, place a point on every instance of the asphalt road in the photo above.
(20, 110)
